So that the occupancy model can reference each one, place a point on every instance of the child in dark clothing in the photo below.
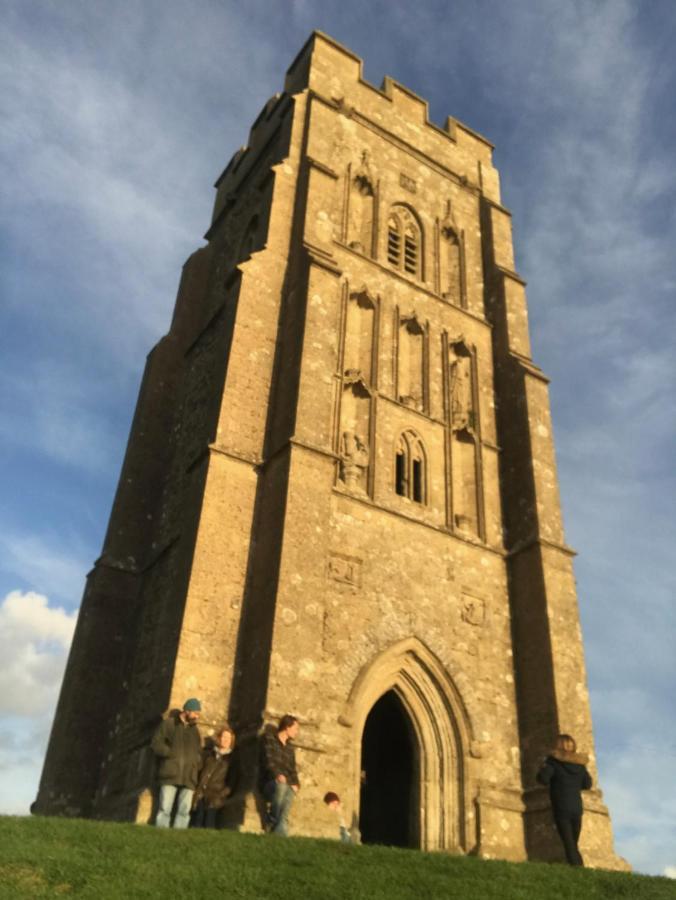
(564, 772)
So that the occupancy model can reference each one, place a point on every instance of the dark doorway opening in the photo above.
(389, 807)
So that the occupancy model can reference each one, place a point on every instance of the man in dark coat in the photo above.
(278, 778)
(218, 778)
(178, 744)
(564, 772)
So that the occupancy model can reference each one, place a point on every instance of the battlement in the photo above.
(333, 73)
(328, 68)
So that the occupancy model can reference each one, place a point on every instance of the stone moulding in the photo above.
(444, 734)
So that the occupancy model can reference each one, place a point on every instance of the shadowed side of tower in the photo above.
(339, 497)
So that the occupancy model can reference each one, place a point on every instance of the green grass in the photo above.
(73, 858)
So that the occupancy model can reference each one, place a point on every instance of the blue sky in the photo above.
(116, 120)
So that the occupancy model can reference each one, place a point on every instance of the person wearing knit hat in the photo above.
(178, 746)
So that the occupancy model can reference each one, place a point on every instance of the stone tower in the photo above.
(339, 497)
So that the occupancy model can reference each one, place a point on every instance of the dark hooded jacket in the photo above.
(566, 776)
(179, 748)
(218, 777)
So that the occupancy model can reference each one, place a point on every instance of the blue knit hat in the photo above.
(192, 705)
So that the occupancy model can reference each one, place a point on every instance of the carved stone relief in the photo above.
(354, 460)
(462, 421)
(473, 610)
(344, 569)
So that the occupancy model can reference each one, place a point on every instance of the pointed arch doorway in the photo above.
(389, 795)
(405, 703)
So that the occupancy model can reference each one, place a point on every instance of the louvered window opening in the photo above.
(393, 246)
(410, 255)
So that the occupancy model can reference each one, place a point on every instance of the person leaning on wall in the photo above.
(278, 776)
(217, 780)
(178, 745)
(564, 772)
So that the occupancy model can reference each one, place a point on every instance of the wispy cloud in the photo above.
(115, 127)
(45, 564)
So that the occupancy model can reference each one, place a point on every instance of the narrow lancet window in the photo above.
(417, 481)
(400, 473)
(410, 477)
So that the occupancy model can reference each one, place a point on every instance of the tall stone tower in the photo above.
(339, 497)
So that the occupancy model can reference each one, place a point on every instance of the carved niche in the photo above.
(359, 355)
(450, 259)
(361, 207)
(411, 353)
(464, 440)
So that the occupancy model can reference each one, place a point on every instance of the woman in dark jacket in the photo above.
(565, 773)
(217, 778)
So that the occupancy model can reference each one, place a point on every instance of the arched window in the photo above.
(404, 241)
(410, 468)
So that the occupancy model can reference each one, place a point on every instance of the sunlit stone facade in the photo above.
(339, 497)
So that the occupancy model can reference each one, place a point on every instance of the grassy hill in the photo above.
(73, 858)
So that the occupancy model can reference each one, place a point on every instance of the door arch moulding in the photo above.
(443, 732)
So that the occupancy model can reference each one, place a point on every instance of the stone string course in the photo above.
(340, 482)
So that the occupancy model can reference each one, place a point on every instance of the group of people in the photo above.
(196, 782)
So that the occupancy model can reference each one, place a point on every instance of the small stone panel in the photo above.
(344, 569)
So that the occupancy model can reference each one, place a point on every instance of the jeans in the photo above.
(167, 796)
(280, 797)
(569, 827)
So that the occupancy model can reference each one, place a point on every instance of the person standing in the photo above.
(278, 778)
(217, 779)
(564, 772)
(178, 745)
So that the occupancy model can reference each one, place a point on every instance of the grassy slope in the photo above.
(71, 858)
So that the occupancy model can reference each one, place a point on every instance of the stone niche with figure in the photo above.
(339, 498)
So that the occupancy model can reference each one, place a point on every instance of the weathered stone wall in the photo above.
(341, 482)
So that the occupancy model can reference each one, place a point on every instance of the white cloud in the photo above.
(670, 871)
(34, 642)
(114, 130)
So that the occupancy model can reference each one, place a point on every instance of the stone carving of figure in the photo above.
(354, 459)
(461, 391)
